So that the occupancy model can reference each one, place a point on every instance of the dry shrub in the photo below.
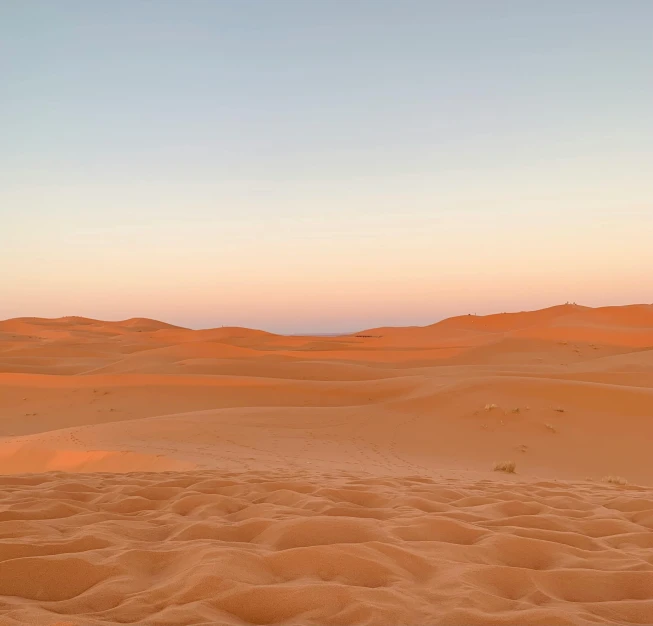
(489, 407)
(505, 466)
(615, 480)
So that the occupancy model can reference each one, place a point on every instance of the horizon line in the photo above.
(134, 320)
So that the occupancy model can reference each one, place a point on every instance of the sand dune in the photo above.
(153, 474)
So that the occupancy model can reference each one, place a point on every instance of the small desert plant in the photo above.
(551, 427)
(489, 407)
(515, 410)
(505, 466)
(559, 409)
(615, 480)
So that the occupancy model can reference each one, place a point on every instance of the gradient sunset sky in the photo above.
(317, 166)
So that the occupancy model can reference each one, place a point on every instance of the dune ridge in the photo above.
(154, 474)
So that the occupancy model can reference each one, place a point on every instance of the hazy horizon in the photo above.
(344, 331)
(323, 167)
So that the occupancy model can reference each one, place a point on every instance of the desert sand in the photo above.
(152, 474)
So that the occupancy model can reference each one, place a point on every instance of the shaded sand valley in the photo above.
(151, 474)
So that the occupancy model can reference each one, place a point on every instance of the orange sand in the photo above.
(241, 477)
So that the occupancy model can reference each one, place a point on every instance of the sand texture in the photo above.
(151, 474)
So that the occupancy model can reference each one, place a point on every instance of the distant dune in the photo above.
(154, 474)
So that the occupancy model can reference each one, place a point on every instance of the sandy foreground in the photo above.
(155, 475)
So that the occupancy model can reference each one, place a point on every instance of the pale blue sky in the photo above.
(323, 165)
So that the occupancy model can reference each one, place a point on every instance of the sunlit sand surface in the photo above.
(155, 475)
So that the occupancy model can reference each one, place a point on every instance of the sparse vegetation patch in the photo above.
(505, 466)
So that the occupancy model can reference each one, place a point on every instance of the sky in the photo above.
(323, 166)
